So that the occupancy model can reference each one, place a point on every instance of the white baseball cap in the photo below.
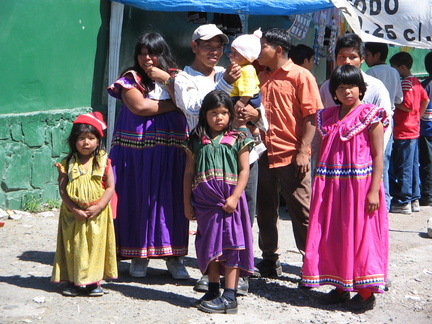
(208, 31)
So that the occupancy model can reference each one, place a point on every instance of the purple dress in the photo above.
(148, 161)
(346, 246)
(224, 237)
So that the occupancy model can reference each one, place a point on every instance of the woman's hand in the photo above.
(157, 74)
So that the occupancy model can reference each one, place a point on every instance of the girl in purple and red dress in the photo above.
(148, 161)
(217, 170)
(347, 243)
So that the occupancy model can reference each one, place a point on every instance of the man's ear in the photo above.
(279, 50)
(194, 46)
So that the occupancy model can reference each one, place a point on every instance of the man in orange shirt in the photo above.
(291, 98)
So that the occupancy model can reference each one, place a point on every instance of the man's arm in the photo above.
(302, 159)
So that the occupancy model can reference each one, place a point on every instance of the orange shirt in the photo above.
(289, 94)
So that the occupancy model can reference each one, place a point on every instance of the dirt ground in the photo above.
(27, 247)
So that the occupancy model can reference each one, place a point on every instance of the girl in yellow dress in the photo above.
(85, 243)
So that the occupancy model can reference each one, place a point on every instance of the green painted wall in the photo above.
(52, 61)
(48, 52)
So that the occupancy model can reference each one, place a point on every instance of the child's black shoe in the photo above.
(94, 290)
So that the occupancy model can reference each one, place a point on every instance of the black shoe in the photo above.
(357, 304)
(202, 284)
(268, 268)
(71, 291)
(333, 297)
(219, 305)
(206, 297)
(94, 290)
(243, 286)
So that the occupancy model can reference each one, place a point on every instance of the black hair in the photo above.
(278, 37)
(299, 53)
(155, 45)
(374, 48)
(402, 58)
(213, 100)
(428, 63)
(77, 130)
(350, 41)
(347, 74)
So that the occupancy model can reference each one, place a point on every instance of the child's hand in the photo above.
(372, 201)
(79, 214)
(60, 168)
(230, 204)
(189, 211)
(93, 211)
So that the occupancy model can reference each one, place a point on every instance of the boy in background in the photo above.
(303, 55)
(405, 154)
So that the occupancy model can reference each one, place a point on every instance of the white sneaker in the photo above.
(177, 269)
(401, 209)
(138, 267)
(415, 206)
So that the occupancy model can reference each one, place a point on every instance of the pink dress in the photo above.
(346, 246)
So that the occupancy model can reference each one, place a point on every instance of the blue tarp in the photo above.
(251, 7)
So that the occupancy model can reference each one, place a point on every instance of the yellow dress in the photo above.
(86, 251)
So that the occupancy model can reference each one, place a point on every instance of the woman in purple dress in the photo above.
(148, 162)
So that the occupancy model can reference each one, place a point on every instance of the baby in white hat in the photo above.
(244, 50)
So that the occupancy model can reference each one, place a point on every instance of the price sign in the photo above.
(398, 22)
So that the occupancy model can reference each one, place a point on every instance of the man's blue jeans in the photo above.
(405, 163)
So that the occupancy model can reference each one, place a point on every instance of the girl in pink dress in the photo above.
(347, 244)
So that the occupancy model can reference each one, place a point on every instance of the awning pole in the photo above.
(116, 23)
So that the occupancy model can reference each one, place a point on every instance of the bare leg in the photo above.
(231, 277)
